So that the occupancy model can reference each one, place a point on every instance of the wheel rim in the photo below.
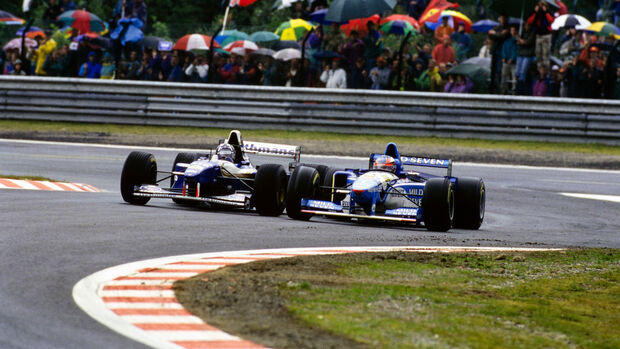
(483, 198)
(451, 202)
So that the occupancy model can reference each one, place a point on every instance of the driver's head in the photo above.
(385, 163)
(225, 152)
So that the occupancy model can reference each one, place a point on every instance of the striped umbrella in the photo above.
(9, 19)
(194, 42)
(405, 18)
(603, 29)
(359, 25)
(293, 29)
(83, 21)
(240, 47)
(225, 37)
(576, 21)
(454, 19)
(398, 28)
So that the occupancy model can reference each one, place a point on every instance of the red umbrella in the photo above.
(359, 25)
(240, 47)
(194, 42)
(403, 18)
(242, 3)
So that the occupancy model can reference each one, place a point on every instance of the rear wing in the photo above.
(427, 162)
(272, 149)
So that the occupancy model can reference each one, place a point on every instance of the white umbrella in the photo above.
(17, 43)
(287, 54)
(576, 21)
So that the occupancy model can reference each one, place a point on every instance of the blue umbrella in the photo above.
(20, 31)
(484, 26)
(318, 16)
(133, 32)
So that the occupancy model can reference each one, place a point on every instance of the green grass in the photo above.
(28, 178)
(537, 300)
(292, 136)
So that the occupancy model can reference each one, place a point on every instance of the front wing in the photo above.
(331, 209)
(239, 200)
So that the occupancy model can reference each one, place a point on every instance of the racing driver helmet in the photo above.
(226, 152)
(385, 163)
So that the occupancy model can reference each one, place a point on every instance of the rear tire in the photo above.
(139, 168)
(438, 204)
(270, 190)
(304, 183)
(469, 203)
(187, 158)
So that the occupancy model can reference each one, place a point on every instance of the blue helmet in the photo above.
(226, 152)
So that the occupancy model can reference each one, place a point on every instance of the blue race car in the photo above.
(387, 192)
(224, 179)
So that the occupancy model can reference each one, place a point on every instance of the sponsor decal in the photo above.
(322, 205)
(268, 148)
(424, 161)
(402, 212)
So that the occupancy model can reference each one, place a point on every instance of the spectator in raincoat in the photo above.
(541, 20)
(335, 40)
(231, 72)
(130, 67)
(463, 42)
(509, 60)
(498, 35)
(354, 49)
(139, 11)
(429, 80)
(17, 68)
(525, 56)
(177, 74)
(334, 76)
(108, 68)
(55, 63)
(46, 47)
(444, 53)
(380, 75)
(443, 30)
(374, 45)
(458, 84)
(90, 69)
(542, 82)
(358, 76)
(197, 70)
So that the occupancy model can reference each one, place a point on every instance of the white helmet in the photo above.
(226, 152)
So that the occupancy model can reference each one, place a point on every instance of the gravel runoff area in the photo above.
(363, 149)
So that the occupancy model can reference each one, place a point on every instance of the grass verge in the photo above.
(212, 134)
(561, 299)
(28, 178)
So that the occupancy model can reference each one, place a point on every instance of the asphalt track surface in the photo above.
(51, 240)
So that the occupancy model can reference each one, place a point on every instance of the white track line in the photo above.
(115, 146)
(600, 197)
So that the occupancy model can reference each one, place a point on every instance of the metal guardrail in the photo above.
(346, 111)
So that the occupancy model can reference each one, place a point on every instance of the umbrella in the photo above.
(325, 55)
(240, 47)
(398, 28)
(225, 37)
(455, 18)
(484, 26)
(151, 42)
(476, 73)
(514, 21)
(194, 42)
(287, 54)
(83, 21)
(280, 45)
(411, 20)
(568, 21)
(37, 30)
(241, 3)
(344, 10)
(481, 61)
(318, 16)
(263, 37)
(293, 29)
(603, 29)
(264, 52)
(131, 34)
(17, 44)
(518, 8)
(95, 41)
(9, 19)
(359, 25)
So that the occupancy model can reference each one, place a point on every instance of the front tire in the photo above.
(304, 183)
(139, 168)
(270, 190)
(438, 204)
(469, 203)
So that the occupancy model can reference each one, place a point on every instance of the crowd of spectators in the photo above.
(520, 58)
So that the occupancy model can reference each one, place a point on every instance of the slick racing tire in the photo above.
(438, 204)
(270, 190)
(329, 185)
(304, 183)
(187, 158)
(322, 170)
(139, 168)
(469, 203)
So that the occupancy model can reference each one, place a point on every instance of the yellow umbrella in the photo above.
(293, 29)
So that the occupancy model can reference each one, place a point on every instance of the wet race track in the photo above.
(49, 240)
